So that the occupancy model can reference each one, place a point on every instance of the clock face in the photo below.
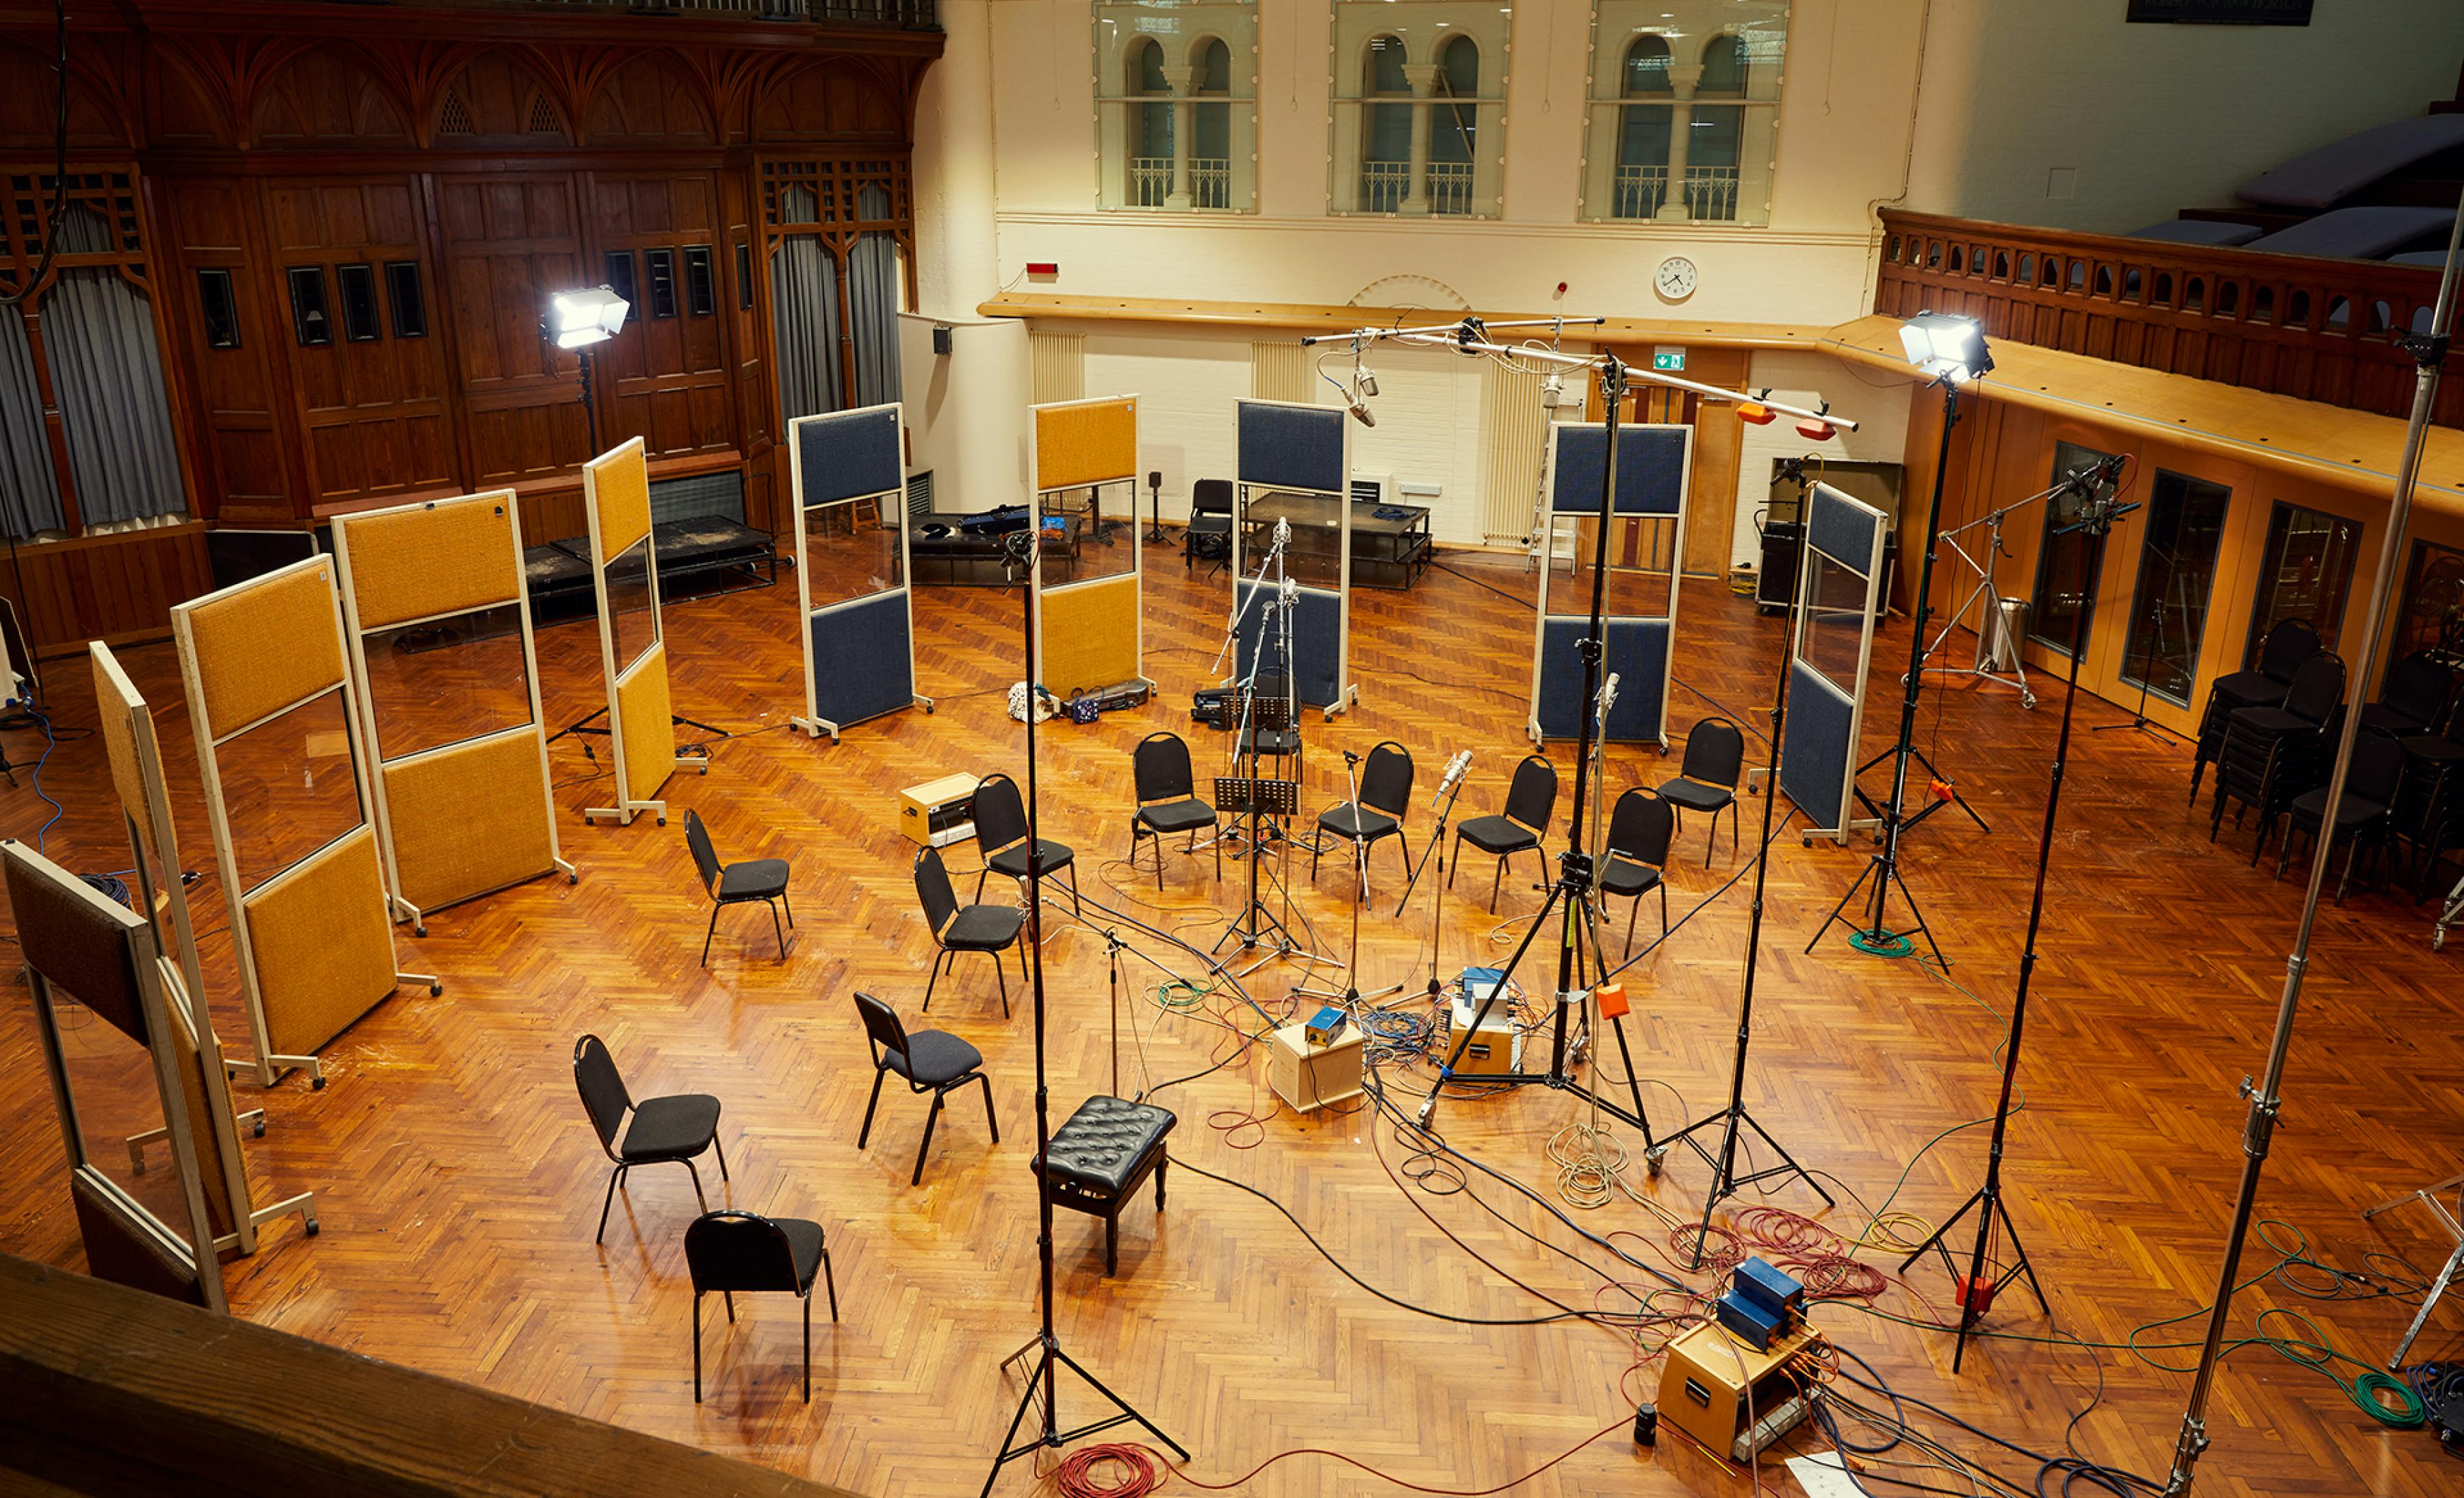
(1676, 277)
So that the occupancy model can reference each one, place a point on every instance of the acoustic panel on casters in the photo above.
(1291, 447)
(1815, 750)
(197, 1098)
(620, 487)
(1636, 650)
(862, 666)
(1651, 468)
(1089, 636)
(1081, 443)
(324, 948)
(420, 561)
(1842, 532)
(266, 646)
(850, 454)
(645, 716)
(1316, 651)
(118, 725)
(467, 819)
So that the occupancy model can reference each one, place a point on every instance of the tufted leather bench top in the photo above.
(1104, 1142)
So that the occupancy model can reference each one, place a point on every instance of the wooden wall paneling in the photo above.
(665, 380)
(510, 240)
(116, 589)
(746, 304)
(243, 445)
(374, 416)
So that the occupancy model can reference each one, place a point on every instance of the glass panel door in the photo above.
(2307, 570)
(2433, 616)
(2177, 570)
(2064, 586)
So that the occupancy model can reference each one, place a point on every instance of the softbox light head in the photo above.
(1946, 346)
(580, 318)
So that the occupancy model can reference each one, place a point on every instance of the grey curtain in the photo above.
(805, 313)
(29, 490)
(107, 373)
(874, 296)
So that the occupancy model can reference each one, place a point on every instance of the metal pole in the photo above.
(1894, 813)
(2428, 351)
(1035, 947)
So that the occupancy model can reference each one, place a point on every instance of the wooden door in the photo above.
(510, 242)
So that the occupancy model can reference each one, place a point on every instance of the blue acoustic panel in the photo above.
(850, 454)
(1651, 468)
(1636, 650)
(1814, 751)
(1843, 529)
(1317, 639)
(863, 666)
(1291, 447)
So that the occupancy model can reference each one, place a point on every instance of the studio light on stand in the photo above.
(580, 320)
(1950, 351)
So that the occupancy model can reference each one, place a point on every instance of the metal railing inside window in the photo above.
(1450, 187)
(1150, 180)
(1710, 192)
(1383, 185)
(1210, 182)
(1640, 191)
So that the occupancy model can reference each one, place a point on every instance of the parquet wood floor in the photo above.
(458, 1181)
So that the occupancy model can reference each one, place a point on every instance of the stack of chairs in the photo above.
(2270, 755)
(2362, 819)
(2292, 642)
(2429, 813)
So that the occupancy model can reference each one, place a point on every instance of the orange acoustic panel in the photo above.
(1089, 636)
(264, 645)
(643, 716)
(469, 818)
(426, 560)
(119, 711)
(620, 491)
(1085, 442)
(323, 951)
(198, 1101)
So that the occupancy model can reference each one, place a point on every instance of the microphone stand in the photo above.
(1351, 996)
(2146, 671)
(1042, 1377)
(1437, 850)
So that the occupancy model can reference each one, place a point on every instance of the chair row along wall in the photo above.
(307, 250)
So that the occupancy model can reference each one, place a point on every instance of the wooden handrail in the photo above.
(108, 1390)
(2319, 330)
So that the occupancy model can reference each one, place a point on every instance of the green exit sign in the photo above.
(1668, 360)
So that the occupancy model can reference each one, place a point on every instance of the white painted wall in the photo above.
(966, 410)
(2058, 113)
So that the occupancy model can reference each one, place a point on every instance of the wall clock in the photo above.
(1676, 277)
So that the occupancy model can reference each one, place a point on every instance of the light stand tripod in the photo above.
(1448, 788)
(1725, 1182)
(1044, 1377)
(2146, 674)
(1351, 995)
(1975, 1294)
(1876, 937)
(1990, 629)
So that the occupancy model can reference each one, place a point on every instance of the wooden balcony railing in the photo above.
(906, 14)
(2321, 330)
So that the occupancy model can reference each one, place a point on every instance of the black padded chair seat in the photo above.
(753, 879)
(933, 1058)
(1621, 879)
(2354, 812)
(1695, 796)
(2246, 689)
(2385, 719)
(804, 1246)
(1012, 861)
(669, 1128)
(1273, 742)
(1104, 1146)
(1357, 821)
(1177, 815)
(984, 927)
(1497, 835)
(2271, 721)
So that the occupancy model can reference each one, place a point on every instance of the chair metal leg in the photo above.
(978, 898)
(696, 1181)
(1629, 922)
(2352, 850)
(721, 1151)
(1218, 860)
(1313, 857)
(696, 1324)
(791, 909)
(1456, 866)
(1077, 907)
(774, 930)
(807, 1299)
(879, 1074)
(990, 1121)
(1494, 880)
(1663, 906)
(930, 1117)
(707, 935)
(938, 958)
(830, 1282)
(1003, 974)
(730, 1297)
(1112, 1241)
(1163, 1168)
(613, 1176)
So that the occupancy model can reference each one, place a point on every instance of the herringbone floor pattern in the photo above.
(458, 1181)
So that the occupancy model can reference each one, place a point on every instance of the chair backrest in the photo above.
(2378, 763)
(2418, 687)
(1533, 795)
(739, 1251)
(1386, 780)
(2290, 643)
(1714, 752)
(933, 890)
(603, 1089)
(704, 856)
(1642, 825)
(1000, 814)
(1211, 497)
(882, 1027)
(2317, 688)
(1159, 766)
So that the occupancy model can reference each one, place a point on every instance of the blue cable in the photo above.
(50, 743)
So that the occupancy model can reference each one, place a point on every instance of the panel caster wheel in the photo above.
(312, 1227)
(2028, 699)
(419, 931)
(928, 710)
(663, 822)
(315, 1084)
(435, 990)
(261, 1128)
(136, 1163)
(573, 878)
(2438, 939)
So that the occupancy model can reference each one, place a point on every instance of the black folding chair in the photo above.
(988, 929)
(1000, 837)
(2414, 697)
(732, 1251)
(1210, 524)
(2273, 754)
(656, 1131)
(1639, 830)
(762, 879)
(1168, 800)
(2288, 644)
(931, 1061)
(2362, 818)
(1706, 779)
(1385, 796)
(1529, 802)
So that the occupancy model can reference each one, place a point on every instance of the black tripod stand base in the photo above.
(1969, 1313)
(1052, 1436)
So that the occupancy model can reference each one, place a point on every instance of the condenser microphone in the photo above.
(1455, 768)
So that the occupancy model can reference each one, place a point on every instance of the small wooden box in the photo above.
(938, 812)
(1308, 1076)
(1704, 1392)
